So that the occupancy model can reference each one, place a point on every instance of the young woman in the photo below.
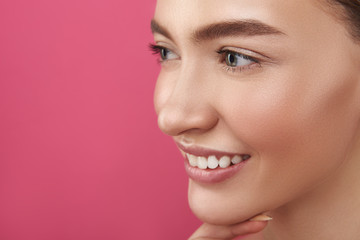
(262, 97)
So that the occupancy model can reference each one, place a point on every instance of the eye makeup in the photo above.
(164, 53)
(235, 61)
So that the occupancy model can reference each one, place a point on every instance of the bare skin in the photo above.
(208, 231)
(283, 88)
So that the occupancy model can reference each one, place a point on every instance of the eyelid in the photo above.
(164, 45)
(255, 58)
(157, 47)
(246, 52)
(244, 56)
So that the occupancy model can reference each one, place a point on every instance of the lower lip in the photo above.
(212, 175)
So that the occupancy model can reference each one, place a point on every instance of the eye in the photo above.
(233, 59)
(167, 54)
(164, 53)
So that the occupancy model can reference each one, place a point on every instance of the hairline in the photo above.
(339, 13)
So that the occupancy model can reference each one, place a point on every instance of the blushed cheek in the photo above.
(266, 121)
(298, 130)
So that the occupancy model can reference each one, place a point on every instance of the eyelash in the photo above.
(156, 50)
(225, 52)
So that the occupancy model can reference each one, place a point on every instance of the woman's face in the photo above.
(276, 80)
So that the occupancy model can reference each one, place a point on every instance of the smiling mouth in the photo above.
(213, 162)
(203, 158)
(210, 166)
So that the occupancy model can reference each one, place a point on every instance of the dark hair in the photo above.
(350, 15)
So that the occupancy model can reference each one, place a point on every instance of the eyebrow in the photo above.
(246, 27)
(233, 29)
(157, 28)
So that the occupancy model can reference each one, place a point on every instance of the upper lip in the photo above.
(206, 152)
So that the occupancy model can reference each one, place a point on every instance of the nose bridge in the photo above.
(188, 107)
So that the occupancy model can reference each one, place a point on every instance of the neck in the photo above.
(331, 211)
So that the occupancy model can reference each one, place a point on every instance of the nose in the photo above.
(184, 106)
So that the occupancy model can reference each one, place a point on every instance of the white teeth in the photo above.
(236, 159)
(224, 162)
(202, 163)
(192, 160)
(213, 162)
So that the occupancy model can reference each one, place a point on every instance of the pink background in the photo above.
(81, 156)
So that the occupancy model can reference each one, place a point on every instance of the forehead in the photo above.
(182, 17)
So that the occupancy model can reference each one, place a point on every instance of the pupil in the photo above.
(231, 60)
(163, 53)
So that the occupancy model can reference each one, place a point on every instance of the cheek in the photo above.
(295, 130)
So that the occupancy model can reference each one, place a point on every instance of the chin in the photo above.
(210, 207)
(208, 215)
